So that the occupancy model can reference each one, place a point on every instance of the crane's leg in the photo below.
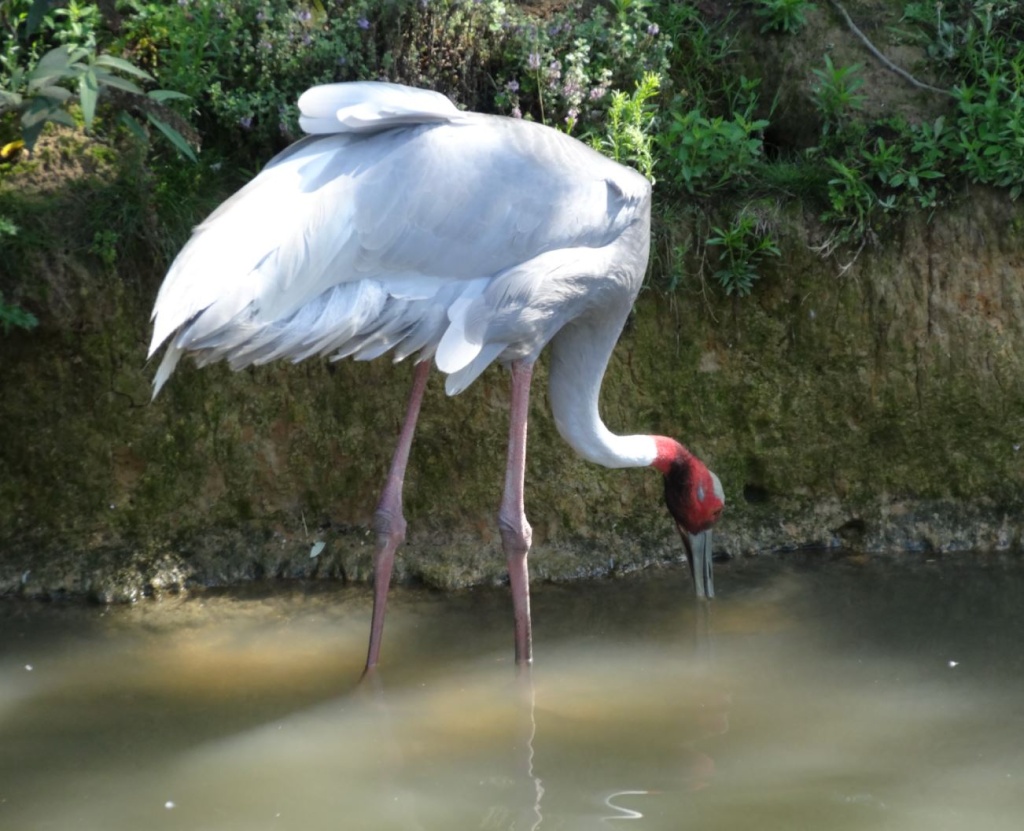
(516, 533)
(388, 521)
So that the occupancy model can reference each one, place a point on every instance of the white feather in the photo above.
(456, 350)
(405, 225)
(461, 378)
(370, 106)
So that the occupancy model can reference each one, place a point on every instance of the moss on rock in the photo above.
(878, 408)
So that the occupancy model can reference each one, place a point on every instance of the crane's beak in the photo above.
(698, 555)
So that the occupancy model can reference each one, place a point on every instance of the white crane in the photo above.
(403, 224)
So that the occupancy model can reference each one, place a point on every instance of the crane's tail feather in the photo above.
(457, 349)
(361, 319)
(369, 107)
(457, 381)
(422, 338)
(166, 368)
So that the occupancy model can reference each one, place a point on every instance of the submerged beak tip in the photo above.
(698, 555)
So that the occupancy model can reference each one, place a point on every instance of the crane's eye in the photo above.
(700, 493)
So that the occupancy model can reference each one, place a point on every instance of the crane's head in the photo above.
(695, 499)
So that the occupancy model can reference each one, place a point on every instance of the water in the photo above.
(817, 694)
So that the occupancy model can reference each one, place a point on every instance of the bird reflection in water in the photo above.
(695, 767)
(534, 760)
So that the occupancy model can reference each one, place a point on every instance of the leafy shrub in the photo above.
(836, 97)
(627, 137)
(13, 316)
(981, 45)
(788, 16)
(708, 153)
(40, 85)
(742, 246)
(883, 168)
(564, 69)
(245, 62)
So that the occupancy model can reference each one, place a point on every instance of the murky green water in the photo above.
(816, 695)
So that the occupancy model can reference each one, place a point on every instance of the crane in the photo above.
(402, 224)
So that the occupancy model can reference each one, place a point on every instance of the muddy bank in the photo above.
(872, 399)
(881, 409)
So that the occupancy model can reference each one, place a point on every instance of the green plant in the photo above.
(699, 62)
(957, 33)
(627, 137)
(41, 97)
(991, 130)
(75, 24)
(879, 169)
(835, 94)
(104, 246)
(788, 16)
(883, 171)
(566, 68)
(40, 87)
(852, 200)
(907, 165)
(743, 246)
(676, 270)
(13, 316)
(711, 153)
(979, 44)
(246, 62)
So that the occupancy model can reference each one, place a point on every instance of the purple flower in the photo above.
(304, 15)
(517, 113)
(363, 23)
(533, 62)
(246, 122)
(653, 30)
(512, 86)
(554, 74)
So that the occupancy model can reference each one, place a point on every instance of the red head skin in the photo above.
(690, 488)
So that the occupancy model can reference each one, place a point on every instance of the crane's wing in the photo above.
(393, 227)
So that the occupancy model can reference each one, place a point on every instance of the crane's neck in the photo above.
(579, 357)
